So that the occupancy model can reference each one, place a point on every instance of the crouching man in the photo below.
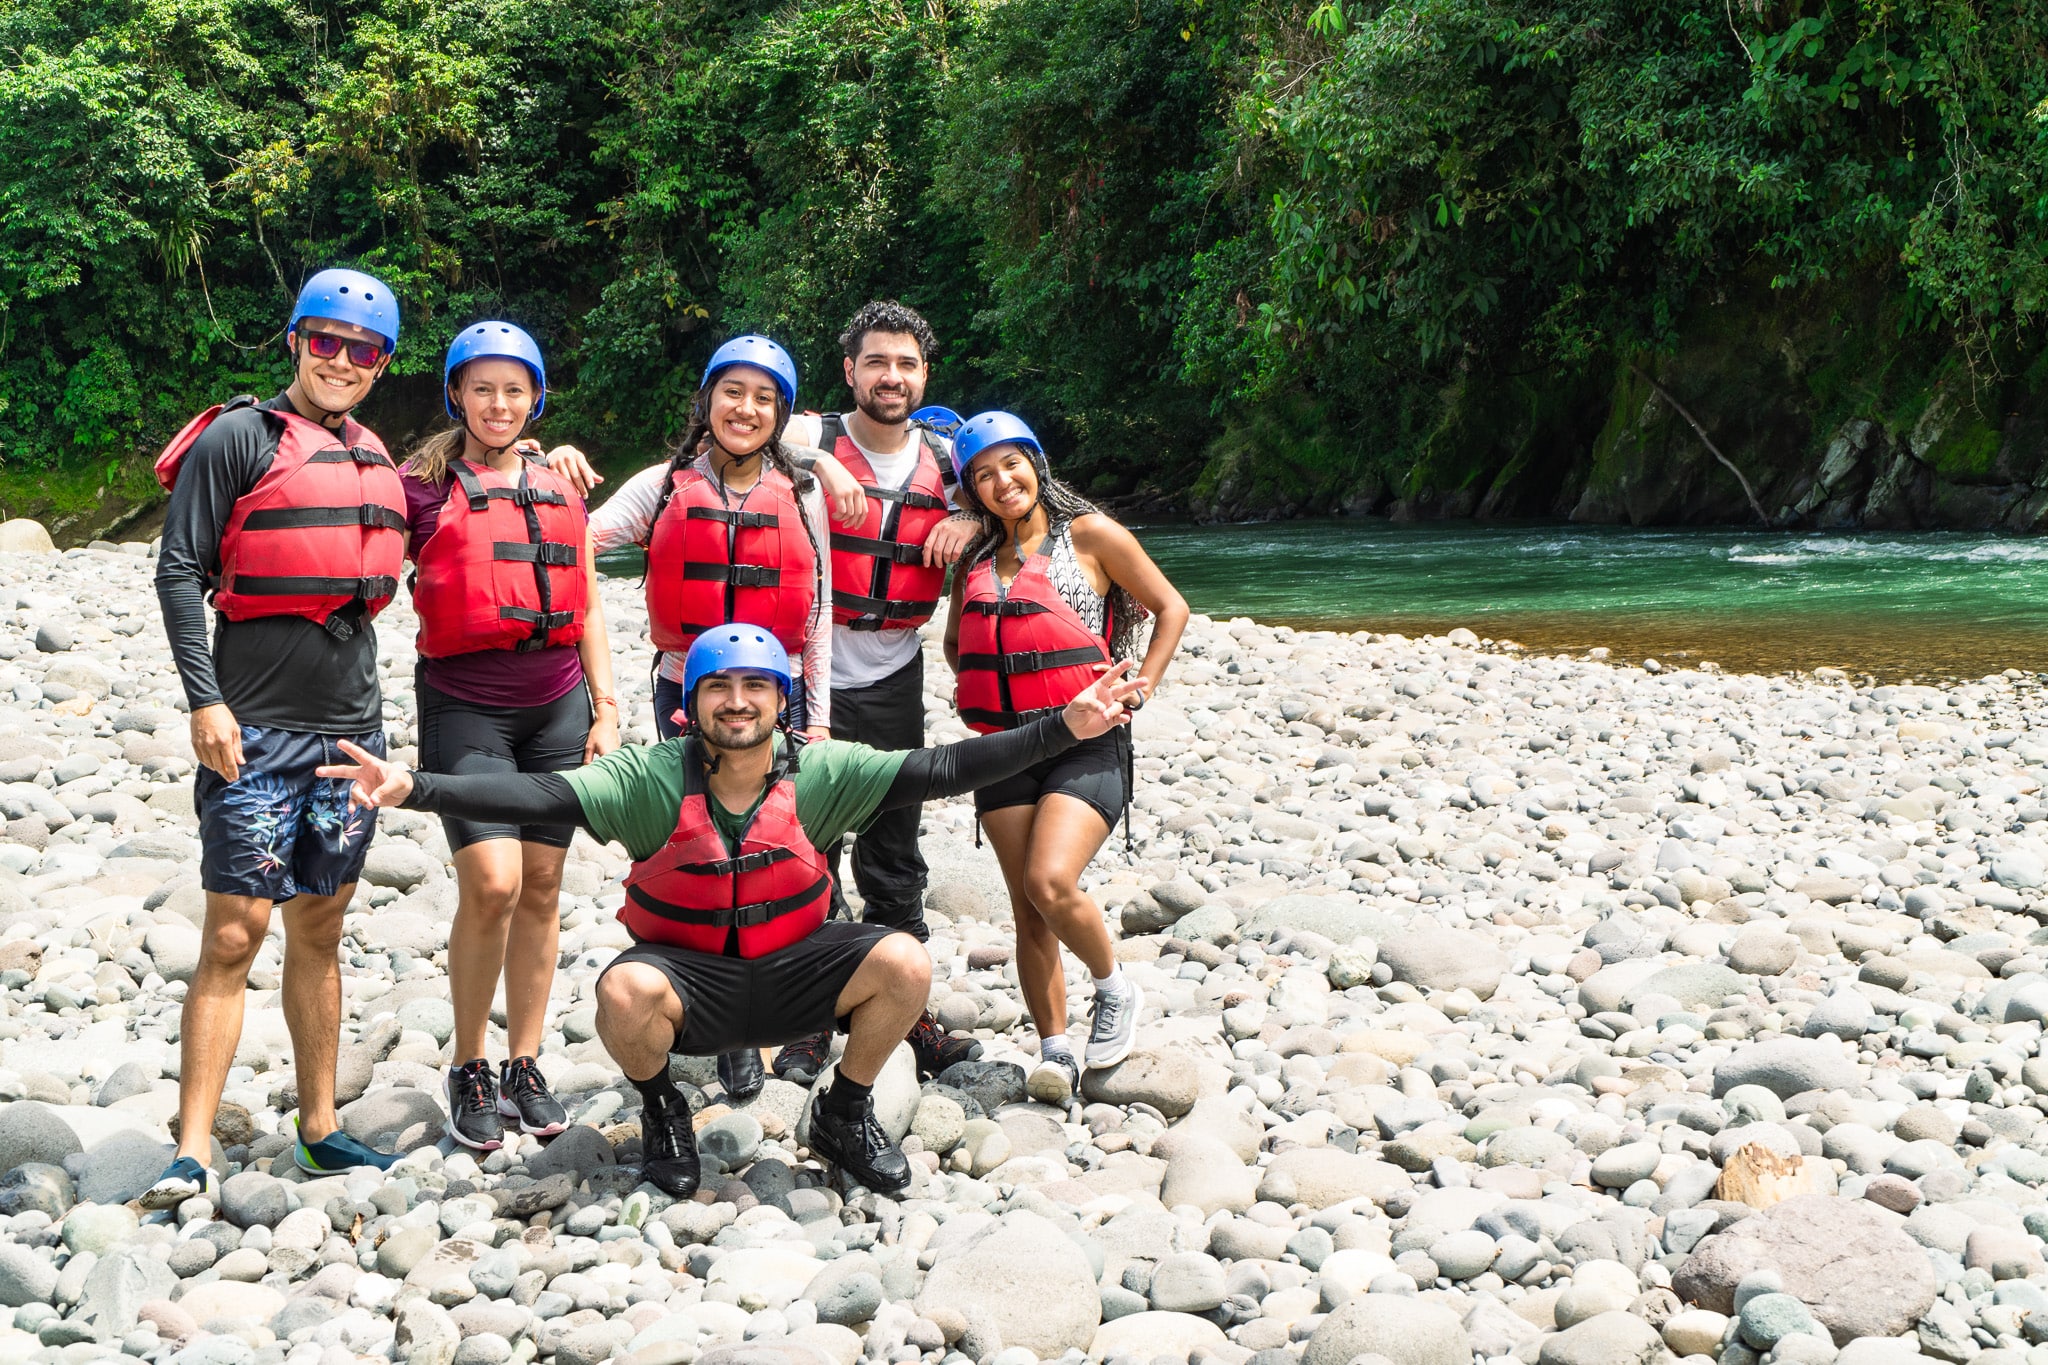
(728, 893)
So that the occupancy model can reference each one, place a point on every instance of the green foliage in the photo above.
(1265, 238)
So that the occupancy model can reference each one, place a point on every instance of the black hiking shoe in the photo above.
(856, 1144)
(740, 1073)
(473, 1117)
(935, 1048)
(670, 1147)
(800, 1062)
(524, 1096)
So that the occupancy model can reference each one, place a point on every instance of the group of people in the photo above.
(790, 560)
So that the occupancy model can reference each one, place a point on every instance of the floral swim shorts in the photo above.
(279, 830)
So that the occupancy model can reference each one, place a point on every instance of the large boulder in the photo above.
(30, 1131)
(1030, 1279)
(1407, 1331)
(1786, 1067)
(1164, 1078)
(25, 536)
(1860, 1274)
(1445, 960)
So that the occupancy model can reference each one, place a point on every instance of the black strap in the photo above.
(525, 495)
(831, 426)
(746, 862)
(909, 497)
(352, 455)
(733, 516)
(893, 551)
(546, 620)
(1006, 720)
(880, 607)
(739, 575)
(732, 916)
(308, 585)
(300, 518)
(1008, 606)
(551, 553)
(1030, 660)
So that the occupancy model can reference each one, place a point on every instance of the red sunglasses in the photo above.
(326, 346)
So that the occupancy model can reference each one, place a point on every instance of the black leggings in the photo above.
(462, 737)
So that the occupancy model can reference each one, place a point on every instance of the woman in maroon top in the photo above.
(515, 676)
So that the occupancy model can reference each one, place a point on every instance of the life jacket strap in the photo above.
(732, 916)
(894, 551)
(885, 608)
(1008, 606)
(734, 516)
(301, 518)
(551, 553)
(306, 585)
(739, 575)
(352, 455)
(1030, 660)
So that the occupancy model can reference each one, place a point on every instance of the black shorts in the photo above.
(463, 737)
(737, 1002)
(1096, 770)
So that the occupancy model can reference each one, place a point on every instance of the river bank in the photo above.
(1500, 1006)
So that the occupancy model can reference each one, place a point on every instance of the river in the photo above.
(1925, 605)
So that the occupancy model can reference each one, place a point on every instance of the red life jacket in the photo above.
(694, 893)
(709, 566)
(504, 566)
(323, 527)
(879, 577)
(1023, 653)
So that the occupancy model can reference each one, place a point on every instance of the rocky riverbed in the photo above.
(1498, 1008)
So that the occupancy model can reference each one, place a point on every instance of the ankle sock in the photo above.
(846, 1094)
(1056, 1047)
(1113, 983)
(659, 1092)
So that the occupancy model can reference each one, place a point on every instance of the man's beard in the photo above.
(872, 405)
(723, 735)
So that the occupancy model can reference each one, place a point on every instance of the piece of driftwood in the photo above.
(1759, 1177)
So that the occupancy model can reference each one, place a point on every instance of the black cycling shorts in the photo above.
(735, 1002)
(463, 737)
(1095, 770)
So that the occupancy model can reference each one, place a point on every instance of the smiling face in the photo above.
(741, 408)
(887, 377)
(738, 710)
(495, 397)
(334, 385)
(1005, 480)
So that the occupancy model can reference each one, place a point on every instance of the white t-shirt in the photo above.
(862, 658)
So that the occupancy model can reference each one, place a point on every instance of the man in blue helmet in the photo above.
(727, 897)
(288, 519)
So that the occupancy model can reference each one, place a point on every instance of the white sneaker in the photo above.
(1115, 1025)
(1055, 1080)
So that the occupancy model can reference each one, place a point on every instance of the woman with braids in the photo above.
(515, 676)
(734, 534)
(1045, 599)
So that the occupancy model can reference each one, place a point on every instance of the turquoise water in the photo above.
(1926, 605)
(1934, 604)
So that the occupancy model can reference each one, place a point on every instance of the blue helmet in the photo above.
(762, 354)
(500, 340)
(986, 429)
(350, 296)
(943, 421)
(742, 648)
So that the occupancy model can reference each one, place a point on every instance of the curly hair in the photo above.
(1062, 506)
(886, 315)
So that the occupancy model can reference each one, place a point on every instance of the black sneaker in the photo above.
(937, 1049)
(856, 1144)
(800, 1062)
(524, 1095)
(740, 1073)
(670, 1147)
(473, 1106)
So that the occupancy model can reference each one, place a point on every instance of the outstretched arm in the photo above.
(501, 798)
(944, 770)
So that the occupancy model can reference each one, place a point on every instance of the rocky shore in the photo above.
(1499, 1008)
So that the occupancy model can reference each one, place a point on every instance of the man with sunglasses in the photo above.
(288, 518)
